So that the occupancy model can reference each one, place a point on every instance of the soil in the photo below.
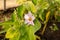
(48, 35)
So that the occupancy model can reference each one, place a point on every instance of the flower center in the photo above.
(30, 19)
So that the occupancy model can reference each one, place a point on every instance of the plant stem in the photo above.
(44, 29)
(38, 37)
(47, 18)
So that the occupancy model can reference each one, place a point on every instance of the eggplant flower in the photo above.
(29, 18)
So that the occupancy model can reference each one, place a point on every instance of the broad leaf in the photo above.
(27, 33)
(31, 33)
(11, 33)
(16, 37)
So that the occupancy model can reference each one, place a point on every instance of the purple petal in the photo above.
(29, 14)
(32, 17)
(30, 22)
(26, 16)
(26, 21)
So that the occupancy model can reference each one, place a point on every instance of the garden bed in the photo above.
(48, 35)
(30, 21)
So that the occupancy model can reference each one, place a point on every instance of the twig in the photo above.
(44, 29)
(47, 18)
(38, 37)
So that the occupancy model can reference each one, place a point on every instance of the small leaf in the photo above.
(41, 15)
(58, 18)
(47, 16)
(34, 1)
(45, 5)
(42, 4)
(20, 11)
(57, 15)
(6, 25)
(16, 37)
(30, 6)
(14, 16)
(37, 25)
(27, 33)
(55, 27)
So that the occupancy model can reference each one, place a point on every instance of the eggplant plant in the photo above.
(28, 18)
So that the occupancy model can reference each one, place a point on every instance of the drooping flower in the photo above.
(29, 18)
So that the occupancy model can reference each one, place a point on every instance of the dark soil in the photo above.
(49, 34)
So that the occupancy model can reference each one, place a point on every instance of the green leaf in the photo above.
(41, 14)
(31, 33)
(16, 37)
(37, 25)
(55, 27)
(30, 6)
(27, 33)
(47, 16)
(14, 16)
(23, 32)
(20, 11)
(42, 4)
(58, 18)
(11, 33)
(57, 15)
(45, 5)
(34, 1)
(57, 1)
(6, 25)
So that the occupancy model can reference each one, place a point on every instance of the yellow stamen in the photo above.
(30, 19)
